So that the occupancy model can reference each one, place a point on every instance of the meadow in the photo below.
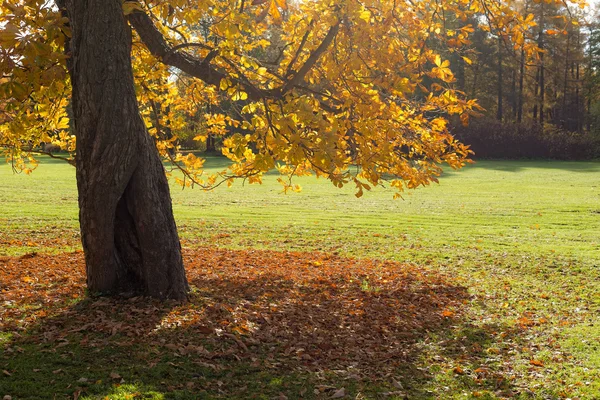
(485, 285)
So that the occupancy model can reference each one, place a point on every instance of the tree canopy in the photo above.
(355, 91)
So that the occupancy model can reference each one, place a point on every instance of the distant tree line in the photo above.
(546, 105)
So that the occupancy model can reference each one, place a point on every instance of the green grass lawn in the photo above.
(522, 237)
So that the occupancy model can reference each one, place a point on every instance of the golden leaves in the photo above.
(365, 109)
(272, 8)
(442, 69)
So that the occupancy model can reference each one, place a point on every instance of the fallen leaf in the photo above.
(397, 384)
(204, 329)
(339, 394)
(115, 376)
(535, 362)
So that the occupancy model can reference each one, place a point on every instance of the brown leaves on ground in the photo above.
(284, 309)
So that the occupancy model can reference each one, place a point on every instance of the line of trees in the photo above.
(557, 86)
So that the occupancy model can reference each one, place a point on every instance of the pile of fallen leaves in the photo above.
(297, 311)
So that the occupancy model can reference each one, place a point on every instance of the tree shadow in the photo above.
(259, 324)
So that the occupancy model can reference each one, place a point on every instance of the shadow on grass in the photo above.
(259, 324)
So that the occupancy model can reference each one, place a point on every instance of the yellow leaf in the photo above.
(282, 4)
(224, 84)
(365, 15)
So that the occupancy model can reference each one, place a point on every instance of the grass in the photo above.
(522, 237)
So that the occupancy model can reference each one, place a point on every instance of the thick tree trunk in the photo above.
(128, 231)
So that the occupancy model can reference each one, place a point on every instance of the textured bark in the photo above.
(128, 231)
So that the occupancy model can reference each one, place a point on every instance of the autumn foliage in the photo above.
(355, 91)
(319, 311)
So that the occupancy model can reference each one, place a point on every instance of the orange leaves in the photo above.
(322, 311)
(272, 8)
(459, 370)
(536, 363)
(448, 313)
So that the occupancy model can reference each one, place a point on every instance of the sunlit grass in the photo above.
(522, 236)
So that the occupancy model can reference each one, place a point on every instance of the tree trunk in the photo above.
(210, 144)
(542, 67)
(128, 231)
(578, 114)
(565, 112)
(513, 94)
(521, 77)
(499, 111)
(536, 93)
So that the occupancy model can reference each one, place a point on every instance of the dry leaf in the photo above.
(537, 363)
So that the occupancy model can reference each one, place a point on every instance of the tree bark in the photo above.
(564, 120)
(521, 78)
(128, 231)
(542, 67)
(499, 110)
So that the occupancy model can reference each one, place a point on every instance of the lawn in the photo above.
(484, 286)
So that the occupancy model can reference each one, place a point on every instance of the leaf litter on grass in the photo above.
(342, 325)
(312, 314)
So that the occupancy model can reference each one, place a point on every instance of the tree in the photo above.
(344, 99)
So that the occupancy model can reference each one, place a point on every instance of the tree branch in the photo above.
(201, 69)
(314, 57)
(158, 46)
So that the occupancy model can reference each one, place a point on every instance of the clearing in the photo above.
(485, 286)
